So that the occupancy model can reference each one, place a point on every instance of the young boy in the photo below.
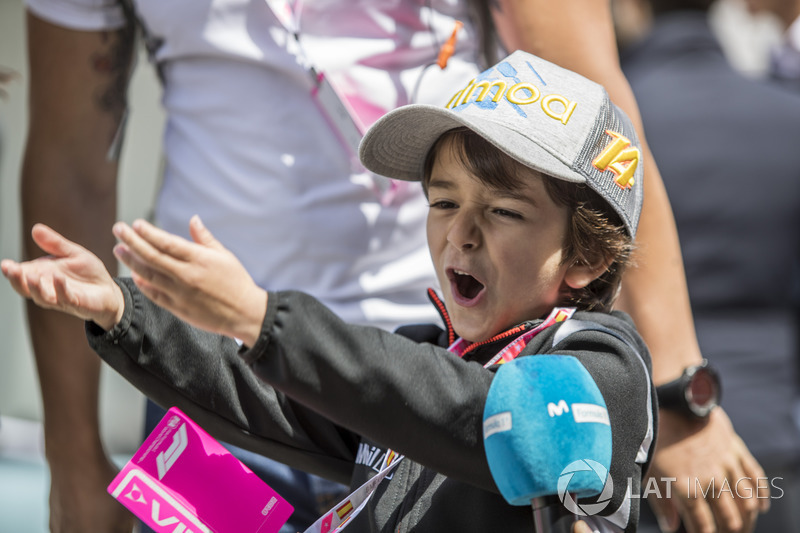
(535, 190)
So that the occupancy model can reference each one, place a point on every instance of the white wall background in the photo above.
(121, 405)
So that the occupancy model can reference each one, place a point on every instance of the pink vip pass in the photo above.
(181, 480)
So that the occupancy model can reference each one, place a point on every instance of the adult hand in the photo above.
(712, 477)
(200, 282)
(71, 279)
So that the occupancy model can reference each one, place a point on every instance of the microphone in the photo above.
(547, 438)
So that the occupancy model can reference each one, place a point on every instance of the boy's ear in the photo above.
(579, 275)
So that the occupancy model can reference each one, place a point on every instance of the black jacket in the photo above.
(328, 397)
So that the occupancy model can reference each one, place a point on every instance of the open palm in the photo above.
(71, 279)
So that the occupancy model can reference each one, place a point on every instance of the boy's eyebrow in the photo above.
(511, 194)
(502, 192)
(443, 183)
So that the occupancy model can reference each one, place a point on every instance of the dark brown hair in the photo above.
(595, 233)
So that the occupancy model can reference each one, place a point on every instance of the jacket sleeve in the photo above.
(176, 364)
(416, 398)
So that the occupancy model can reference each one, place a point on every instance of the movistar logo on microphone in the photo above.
(581, 412)
(585, 509)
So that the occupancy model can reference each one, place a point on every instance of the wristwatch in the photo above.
(695, 393)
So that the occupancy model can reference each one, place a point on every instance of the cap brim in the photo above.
(398, 143)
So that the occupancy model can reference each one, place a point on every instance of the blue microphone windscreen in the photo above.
(545, 422)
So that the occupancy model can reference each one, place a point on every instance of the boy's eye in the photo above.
(507, 213)
(443, 204)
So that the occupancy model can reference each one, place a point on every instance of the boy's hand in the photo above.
(71, 279)
(581, 527)
(201, 282)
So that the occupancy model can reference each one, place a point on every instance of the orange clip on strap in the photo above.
(449, 47)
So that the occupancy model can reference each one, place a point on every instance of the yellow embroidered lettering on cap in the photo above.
(620, 158)
(513, 94)
(563, 116)
(521, 93)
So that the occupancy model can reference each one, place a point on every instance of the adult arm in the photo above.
(579, 35)
(77, 98)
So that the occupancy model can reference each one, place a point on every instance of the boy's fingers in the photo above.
(152, 292)
(52, 242)
(201, 235)
(141, 268)
(581, 527)
(163, 241)
(13, 272)
(63, 293)
(41, 291)
(145, 252)
(128, 258)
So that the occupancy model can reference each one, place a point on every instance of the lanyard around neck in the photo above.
(513, 348)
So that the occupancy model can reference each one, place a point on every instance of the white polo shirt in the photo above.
(249, 151)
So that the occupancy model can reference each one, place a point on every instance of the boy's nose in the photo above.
(464, 233)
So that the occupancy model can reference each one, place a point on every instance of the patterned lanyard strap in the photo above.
(513, 348)
(339, 516)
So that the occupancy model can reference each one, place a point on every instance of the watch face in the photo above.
(702, 392)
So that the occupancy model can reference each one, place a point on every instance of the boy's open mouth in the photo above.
(466, 286)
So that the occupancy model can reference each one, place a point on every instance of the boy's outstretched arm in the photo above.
(579, 35)
(200, 282)
(70, 279)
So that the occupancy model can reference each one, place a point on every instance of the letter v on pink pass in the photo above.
(181, 480)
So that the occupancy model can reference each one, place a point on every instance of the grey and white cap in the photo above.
(544, 116)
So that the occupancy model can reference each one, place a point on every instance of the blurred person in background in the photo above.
(6, 75)
(726, 147)
(784, 65)
(248, 145)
